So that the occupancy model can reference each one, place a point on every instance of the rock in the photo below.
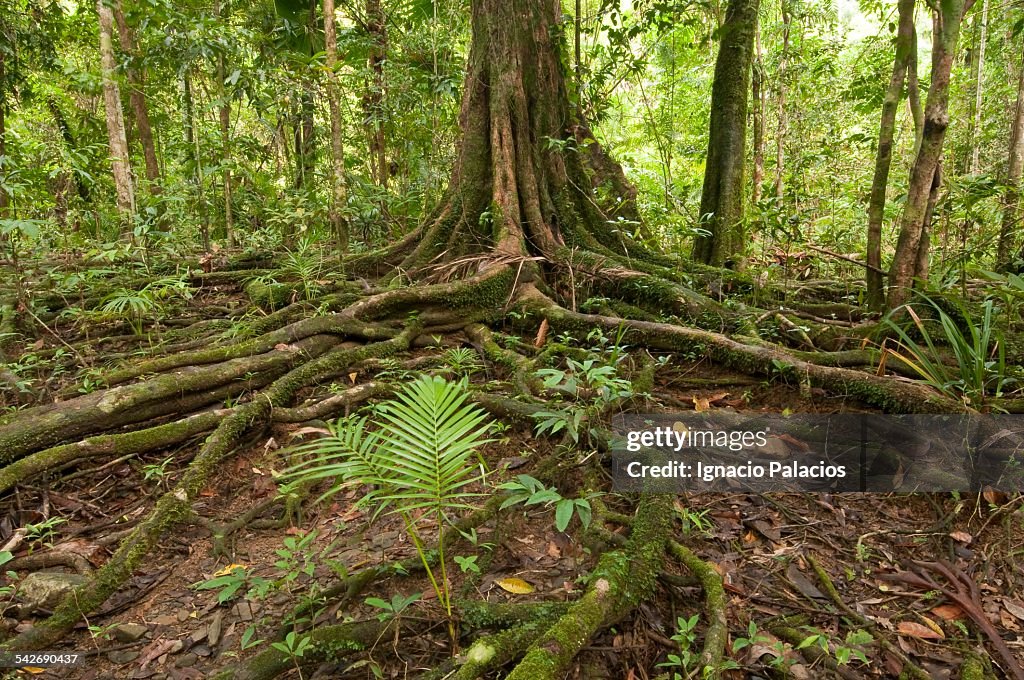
(185, 660)
(122, 656)
(129, 632)
(243, 610)
(216, 624)
(43, 590)
(202, 650)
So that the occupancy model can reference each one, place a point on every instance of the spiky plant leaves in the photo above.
(428, 434)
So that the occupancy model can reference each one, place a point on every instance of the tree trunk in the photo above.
(339, 224)
(978, 87)
(946, 32)
(4, 198)
(137, 99)
(524, 178)
(906, 37)
(374, 98)
(192, 138)
(758, 92)
(115, 120)
(1014, 167)
(780, 136)
(722, 196)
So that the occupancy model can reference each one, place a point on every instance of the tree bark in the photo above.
(224, 116)
(137, 99)
(722, 197)
(978, 87)
(338, 194)
(906, 38)
(192, 138)
(374, 98)
(1014, 166)
(4, 198)
(780, 136)
(946, 31)
(758, 92)
(117, 139)
(524, 179)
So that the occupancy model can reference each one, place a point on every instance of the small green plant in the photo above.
(418, 456)
(467, 564)
(843, 653)
(294, 646)
(686, 634)
(461, 361)
(44, 531)
(135, 306)
(395, 607)
(157, 471)
(979, 352)
(528, 491)
(591, 387)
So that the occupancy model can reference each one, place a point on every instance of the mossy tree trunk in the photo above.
(1014, 168)
(721, 201)
(906, 41)
(947, 19)
(529, 179)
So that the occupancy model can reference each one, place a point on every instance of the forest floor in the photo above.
(804, 574)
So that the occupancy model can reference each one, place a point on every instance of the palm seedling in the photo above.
(416, 451)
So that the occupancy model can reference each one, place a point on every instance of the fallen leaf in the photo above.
(516, 586)
(993, 497)
(352, 377)
(553, 550)
(794, 442)
(934, 626)
(961, 536)
(716, 398)
(542, 334)
(919, 631)
(948, 612)
(701, 404)
(227, 570)
(1014, 608)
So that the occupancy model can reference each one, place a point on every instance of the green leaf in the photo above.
(563, 514)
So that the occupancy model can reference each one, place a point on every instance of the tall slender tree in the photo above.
(1014, 167)
(947, 18)
(906, 44)
(721, 205)
(117, 139)
(137, 98)
(338, 195)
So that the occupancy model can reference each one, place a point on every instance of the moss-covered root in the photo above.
(294, 332)
(34, 429)
(175, 506)
(975, 668)
(621, 581)
(714, 608)
(327, 643)
(491, 652)
(333, 404)
(480, 297)
(140, 441)
(482, 337)
(886, 393)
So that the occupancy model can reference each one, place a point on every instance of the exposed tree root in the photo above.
(714, 607)
(334, 404)
(33, 429)
(139, 441)
(175, 506)
(620, 581)
(886, 393)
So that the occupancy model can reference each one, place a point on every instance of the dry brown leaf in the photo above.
(993, 497)
(701, 404)
(1015, 608)
(542, 334)
(948, 612)
(931, 624)
(961, 536)
(919, 631)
